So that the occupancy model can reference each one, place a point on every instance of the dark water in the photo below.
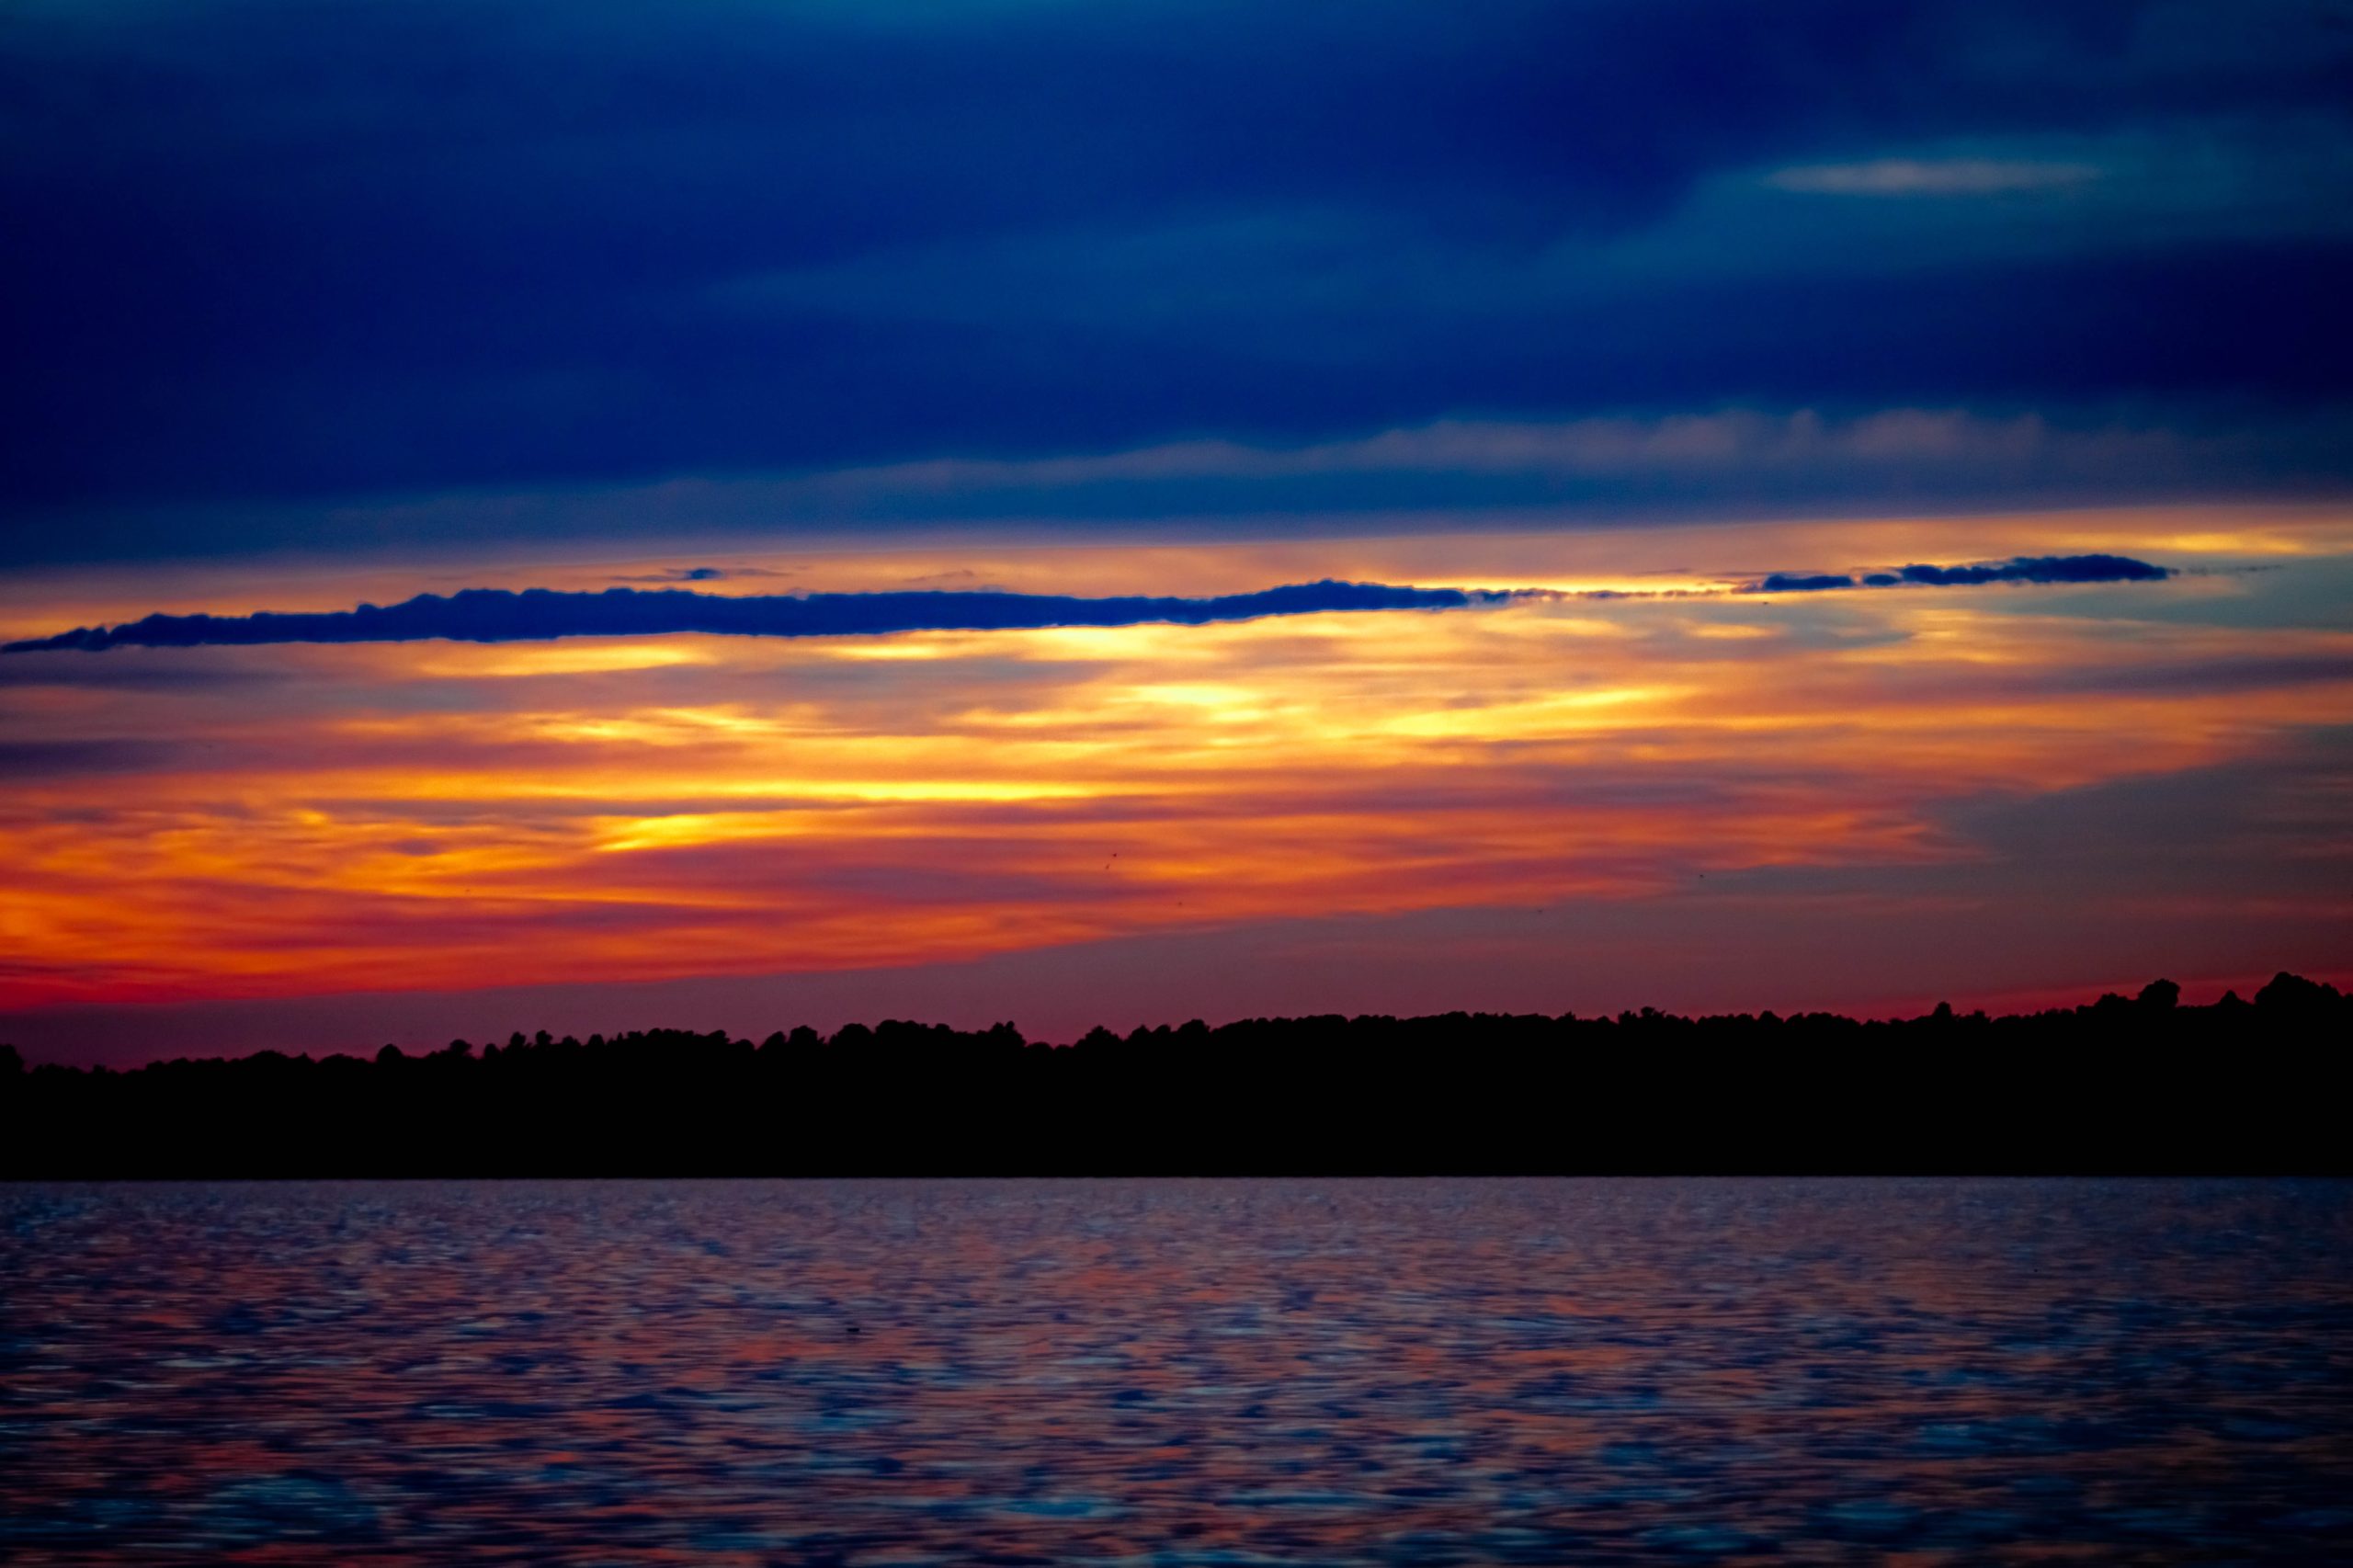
(1142, 1372)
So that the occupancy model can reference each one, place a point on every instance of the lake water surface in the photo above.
(1177, 1372)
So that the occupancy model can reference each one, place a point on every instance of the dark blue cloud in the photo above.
(497, 615)
(2017, 569)
(32, 760)
(2040, 569)
(500, 615)
(297, 249)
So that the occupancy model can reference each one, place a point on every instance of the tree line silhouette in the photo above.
(2139, 1084)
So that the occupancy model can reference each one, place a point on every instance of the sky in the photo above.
(523, 514)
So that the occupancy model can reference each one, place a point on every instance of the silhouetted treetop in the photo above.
(2118, 1084)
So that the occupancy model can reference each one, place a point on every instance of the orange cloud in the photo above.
(210, 822)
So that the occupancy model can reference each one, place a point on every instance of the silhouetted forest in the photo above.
(2121, 1085)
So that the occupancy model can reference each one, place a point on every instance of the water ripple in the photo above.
(1172, 1373)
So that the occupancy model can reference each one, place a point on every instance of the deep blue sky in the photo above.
(267, 257)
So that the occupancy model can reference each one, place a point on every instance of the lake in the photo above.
(1177, 1372)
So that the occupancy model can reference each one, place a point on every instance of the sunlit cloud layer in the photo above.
(200, 822)
(1116, 511)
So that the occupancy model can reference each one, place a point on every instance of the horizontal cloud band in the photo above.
(497, 615)
(2017, 569)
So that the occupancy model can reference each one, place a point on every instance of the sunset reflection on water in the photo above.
(1176, 1372)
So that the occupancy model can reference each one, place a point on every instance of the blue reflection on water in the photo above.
(1177, 1372)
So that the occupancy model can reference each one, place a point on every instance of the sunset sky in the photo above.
(1635, 337)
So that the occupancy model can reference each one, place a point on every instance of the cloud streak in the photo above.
(2017, 569)
(1941, 176)
(1724, 464)
(499, 615)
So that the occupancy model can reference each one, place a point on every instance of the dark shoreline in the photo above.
(2115, 1087)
